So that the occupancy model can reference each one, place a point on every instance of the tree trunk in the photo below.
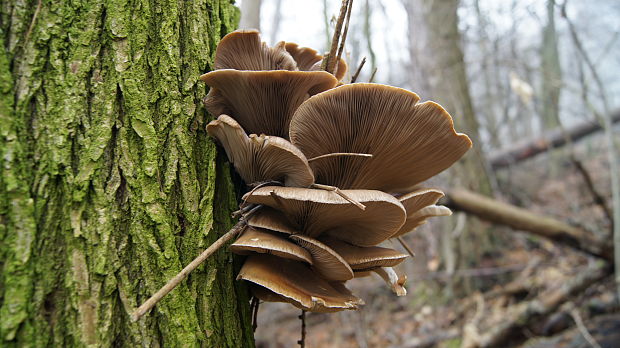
(450, 86)
(109, 184)
(551, 72)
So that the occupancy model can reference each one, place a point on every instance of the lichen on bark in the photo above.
(108, 183)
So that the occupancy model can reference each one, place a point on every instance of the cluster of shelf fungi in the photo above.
(333, 169)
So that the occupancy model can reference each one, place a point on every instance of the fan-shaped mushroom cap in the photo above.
(269, 243)
(316, 212)
(297, 283)
(261, 158)
(364, 258)
(409, 141)
(263, 102)
(419, 218)
(308, 59)
(413, 203)
(325, 261)
(244, 50)
(271, 219)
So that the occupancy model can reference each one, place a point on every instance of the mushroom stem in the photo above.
(302, 341)
(339, 193)
(402, 242)
(334, 154)
(172, 283)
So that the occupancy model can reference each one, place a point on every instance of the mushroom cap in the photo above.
(325, 261)
(263, 102)
(414, 202)
(364, 258)
(315, 212)
(409, 141)
(297, 283)
(271, 219)
(308, 59)
(261, 158)
(244, 50)
(254, 241)
(419, 218)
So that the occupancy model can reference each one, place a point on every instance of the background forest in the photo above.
(536, 85)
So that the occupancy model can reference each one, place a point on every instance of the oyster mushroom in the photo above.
(364, 258)
(263, 102)
(261, 158)
(258, 85)
(416, 204)
(326, 262)
(409, 141)
(271, 219)
(254, 241)
(308, 59)
(296, 283)
(315, 212)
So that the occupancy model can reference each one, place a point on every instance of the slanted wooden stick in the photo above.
(339, 193)
(172, 283)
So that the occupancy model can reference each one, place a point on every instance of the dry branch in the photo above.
(521, 219)
(553, 139)
(521, 314)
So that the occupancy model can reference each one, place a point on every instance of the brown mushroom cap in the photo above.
(297, 283)
(263, 102)
(409, 141)
(325, 261)
(261, 158)
(271, 219)
(254, 241)
(244, 50)
(317, 212)
(413, 203)
(419, 218)
(364, 258)
(308, 59)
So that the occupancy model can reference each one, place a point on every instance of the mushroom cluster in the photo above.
(334, 169)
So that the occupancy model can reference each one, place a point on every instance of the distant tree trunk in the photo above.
(450, 86)
(551, 72)
(250, 14)
(108, 182)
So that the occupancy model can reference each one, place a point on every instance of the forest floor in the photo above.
(527, 292)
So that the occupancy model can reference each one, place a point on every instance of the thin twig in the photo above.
(335, 154)
(34, 19)
(328, 61)
(254, 308)
(343, 38)
(177, 279)
(583, 329)
(597, 196)
(402, 242)
(302, 341)
(339, 193)
(372, 76)
(359, 69)
(259, 185)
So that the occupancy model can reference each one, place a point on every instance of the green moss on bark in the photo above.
(109, 184)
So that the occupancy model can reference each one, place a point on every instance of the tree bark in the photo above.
(450, 86)
(109, 184)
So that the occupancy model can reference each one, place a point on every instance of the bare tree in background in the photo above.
(250, 14)
(551, 72)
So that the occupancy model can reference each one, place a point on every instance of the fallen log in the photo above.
(520, 315)
(553, 139)
(502, 213)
